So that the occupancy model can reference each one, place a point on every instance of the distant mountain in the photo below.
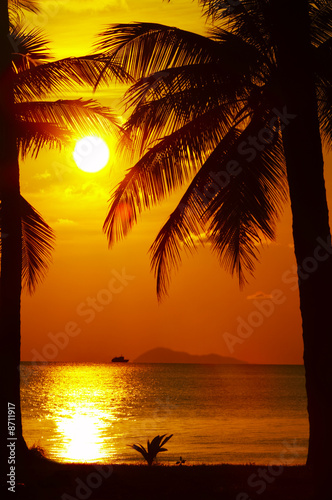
(163, 355)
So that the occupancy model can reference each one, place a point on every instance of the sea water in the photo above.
(89, 412)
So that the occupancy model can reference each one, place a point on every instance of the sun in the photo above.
(91, 153)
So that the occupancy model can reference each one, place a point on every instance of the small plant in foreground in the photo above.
(180, 462)
(153, 448)
(37, 452)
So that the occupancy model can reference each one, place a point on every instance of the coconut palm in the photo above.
(30, 121)
(238, 118)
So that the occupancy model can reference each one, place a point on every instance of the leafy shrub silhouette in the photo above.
(153, 448)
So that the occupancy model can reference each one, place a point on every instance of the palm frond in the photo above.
(246, 210)
(166, 101)
(322, 56)
(74, 114)
(53, 123)
(164, 168)
(18, 8)
(164, 441)
(145, 48)
(29, 48)
(32, 137)
(177, 84)
(65, 75)
(140, 448)
(28, 5)
(324, 99)
(233, 211)
(184, 226)
(247, 19)
(320, 21)
(242, 60)
(37, 245)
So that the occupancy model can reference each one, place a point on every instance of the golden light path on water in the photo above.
(81, 435)
(84, 421)
(81, 409)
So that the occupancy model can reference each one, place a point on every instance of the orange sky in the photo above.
(97, 303)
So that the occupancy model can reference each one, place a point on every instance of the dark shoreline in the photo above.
(49, 480)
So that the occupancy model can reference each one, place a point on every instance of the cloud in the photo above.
(42, 176)
(259, 295)
(197, 239)
(88, 189)
(52, 7)
(65, 222)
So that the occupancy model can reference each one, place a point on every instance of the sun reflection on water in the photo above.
(83, 417)
(81, 435)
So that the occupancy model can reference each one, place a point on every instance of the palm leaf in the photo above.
(74, 114)
(145, 48)
(233, 215)
(184, 226)
(64, 75)
(166, 102)
(32, 137)
(247, 209)
(164, 441)
(156, 445)
(29, 5)
(164, 168)
(52, 123)
(17, 9)
(247, 20)
(320, 21)
(140, 449)
(29, 48)
(323, 70)
(37, 245)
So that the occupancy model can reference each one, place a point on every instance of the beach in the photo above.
(52, 481)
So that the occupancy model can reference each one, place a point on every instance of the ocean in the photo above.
(239, 414)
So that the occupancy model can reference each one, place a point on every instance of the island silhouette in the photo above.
(164, 355)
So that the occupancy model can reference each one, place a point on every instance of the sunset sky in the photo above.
(106, 299)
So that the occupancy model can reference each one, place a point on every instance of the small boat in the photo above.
(119, 359)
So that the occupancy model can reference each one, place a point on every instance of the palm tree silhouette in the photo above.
(237, 117)
(28, 122)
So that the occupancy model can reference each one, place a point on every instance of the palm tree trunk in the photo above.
(12, 442)
(311, 231)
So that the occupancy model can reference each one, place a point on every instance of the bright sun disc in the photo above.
(91, 154)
